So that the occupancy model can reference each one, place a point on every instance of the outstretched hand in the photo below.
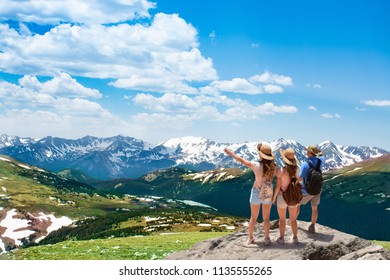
(229, 152)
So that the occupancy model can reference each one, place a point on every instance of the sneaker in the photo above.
(311, 229)
(280, 240)
(251, 241)
(295, 240)
(267, 241)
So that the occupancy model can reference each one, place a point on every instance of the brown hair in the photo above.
(269, 167)
(291, 170)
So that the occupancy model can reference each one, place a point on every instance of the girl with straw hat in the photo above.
(261, 193)
(284, 176)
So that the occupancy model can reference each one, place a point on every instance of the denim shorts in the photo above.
(255, 200)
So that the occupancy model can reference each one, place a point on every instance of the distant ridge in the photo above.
(122, 156)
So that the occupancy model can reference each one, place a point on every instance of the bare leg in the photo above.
(314, 214)
(282, 221)
(292, 213)
(255, 210)
(266, 213)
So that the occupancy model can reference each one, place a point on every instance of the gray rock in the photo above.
(325, 244)
(371, 252)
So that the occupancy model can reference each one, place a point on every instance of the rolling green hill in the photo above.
(28, 188)
(30, 193)
(224, 189)
(77, 176)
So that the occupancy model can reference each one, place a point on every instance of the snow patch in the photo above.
(198, 176)
(194, 203)
(204, 225)
(145, 199)
(357, 168)
(150, 219)
(24, 166)
(13, 226)
(208, 177)
(221, 175)
(334, 177)
(4, 159)
(56, 223)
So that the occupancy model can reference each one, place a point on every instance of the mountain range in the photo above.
(127, 157)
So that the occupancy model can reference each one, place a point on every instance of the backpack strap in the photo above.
(318, 165)
(312, 166)
(309, 163)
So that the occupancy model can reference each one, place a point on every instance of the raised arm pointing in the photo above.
(238, 158)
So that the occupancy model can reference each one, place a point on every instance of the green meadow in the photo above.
(152, 247)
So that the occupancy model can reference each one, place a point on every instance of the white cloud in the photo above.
(316, 86)
(377, 103)
(237, 85)
(270, 78)
(79, 107)
(330, 116)
(167, 103)
(57, 107)
(312, 108)
(43, 122)
(202, 107)
(257, 84)
(31, 91)
(91, 11)
(65, 85)
(272, 89)
(134, 55)
(162, 121)
(360, 109)
(212, 35)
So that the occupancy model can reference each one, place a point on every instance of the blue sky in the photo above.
(229, 71)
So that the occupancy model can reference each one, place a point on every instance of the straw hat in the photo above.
(288, 156)
(265, 151)
(314, 150)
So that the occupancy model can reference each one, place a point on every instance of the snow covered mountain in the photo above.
(122, 156)
(6, 140)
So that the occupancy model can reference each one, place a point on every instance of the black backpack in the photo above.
(313, 182)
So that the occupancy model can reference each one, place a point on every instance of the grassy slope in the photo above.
(384, 244)
(32, 189)
(127, 248)
(35, 190)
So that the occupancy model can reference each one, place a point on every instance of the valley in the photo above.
(71, 210)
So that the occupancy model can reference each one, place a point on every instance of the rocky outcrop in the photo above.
(325, 244)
